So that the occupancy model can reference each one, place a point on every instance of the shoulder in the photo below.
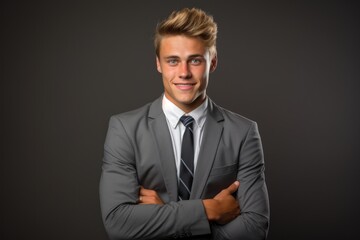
(133, 115)
(231, 118)
(235, 126)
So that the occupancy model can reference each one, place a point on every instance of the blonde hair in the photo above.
(191, 23)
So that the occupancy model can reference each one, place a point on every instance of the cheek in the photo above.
(201, 73)
(168, 74)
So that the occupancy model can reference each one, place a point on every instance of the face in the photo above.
(185, 64)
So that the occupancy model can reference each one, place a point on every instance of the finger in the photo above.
(147, 192)
(150, 200)
(149, 196)
(141, 188)
(233, 187)
(145, 200)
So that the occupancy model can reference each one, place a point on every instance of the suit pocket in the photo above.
(224, 170)
(219, 179)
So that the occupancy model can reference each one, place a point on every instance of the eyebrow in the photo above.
(189, 57)
(171, 57)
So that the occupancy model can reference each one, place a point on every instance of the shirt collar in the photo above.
(174, 113)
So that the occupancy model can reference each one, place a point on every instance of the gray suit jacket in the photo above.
(138, 152)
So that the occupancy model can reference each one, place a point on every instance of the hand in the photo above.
(223, 208)
(148, 196)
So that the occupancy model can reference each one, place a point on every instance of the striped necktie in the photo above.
(187, 159)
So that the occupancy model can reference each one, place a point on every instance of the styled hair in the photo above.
(190, 23)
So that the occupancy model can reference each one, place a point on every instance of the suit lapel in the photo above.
(160, 131)
(211, 138)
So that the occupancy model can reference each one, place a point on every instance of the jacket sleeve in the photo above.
(119, 192)
(253, 222)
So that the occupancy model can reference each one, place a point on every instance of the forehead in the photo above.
(180, 45)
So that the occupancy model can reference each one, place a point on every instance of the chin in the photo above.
(187, 101)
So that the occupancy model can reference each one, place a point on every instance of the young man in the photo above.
(181, 166)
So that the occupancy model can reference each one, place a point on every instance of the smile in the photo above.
(184, 86)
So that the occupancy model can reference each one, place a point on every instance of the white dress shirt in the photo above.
(177, 129)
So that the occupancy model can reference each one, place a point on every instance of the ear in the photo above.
(213, 63)
(158, 66)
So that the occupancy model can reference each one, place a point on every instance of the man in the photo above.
(181, 166)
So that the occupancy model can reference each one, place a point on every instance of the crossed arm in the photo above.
(221, 209)
(125, 218)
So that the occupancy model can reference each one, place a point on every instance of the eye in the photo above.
(196, 61)
(172, 62)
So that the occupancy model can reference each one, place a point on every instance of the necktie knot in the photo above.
(187, 121)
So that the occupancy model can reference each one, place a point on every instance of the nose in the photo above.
(185, 72)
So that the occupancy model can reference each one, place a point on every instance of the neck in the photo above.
(195, 104)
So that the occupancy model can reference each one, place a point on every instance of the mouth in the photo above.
(184, 86)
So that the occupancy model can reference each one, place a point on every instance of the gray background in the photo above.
(66, 67)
